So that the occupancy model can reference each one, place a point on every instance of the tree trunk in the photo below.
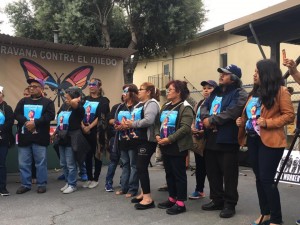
(106, 36)
(130, 62)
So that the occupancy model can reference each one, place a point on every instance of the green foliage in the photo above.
(151, 26)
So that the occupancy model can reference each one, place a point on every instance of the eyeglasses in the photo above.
(141, 89)
(34, 86)
(170, 89)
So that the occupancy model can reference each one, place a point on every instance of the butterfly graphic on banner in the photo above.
(77, 77)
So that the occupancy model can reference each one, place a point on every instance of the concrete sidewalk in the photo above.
(95, 206)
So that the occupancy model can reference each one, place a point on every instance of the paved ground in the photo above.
(96, 206)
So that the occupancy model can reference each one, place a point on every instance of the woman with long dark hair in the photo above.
(96, 110)
(146, 112)
(266, 139)
(174, 141)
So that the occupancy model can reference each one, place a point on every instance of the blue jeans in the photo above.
(111, 169)
(68, 163)
(129, 177)
(39, 153)
(3, 154)
(82, 169)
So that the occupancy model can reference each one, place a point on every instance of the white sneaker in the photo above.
(86, 184)
(70, 189)
(93, 184)
(64, 187)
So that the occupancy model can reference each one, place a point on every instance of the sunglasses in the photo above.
(94, 84)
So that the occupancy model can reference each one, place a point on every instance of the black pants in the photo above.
(264, 161)
(222, 168)
(176, 176)
(200, 172)
(92, 139)
(145, 152)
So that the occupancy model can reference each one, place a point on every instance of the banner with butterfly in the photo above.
(56, 87)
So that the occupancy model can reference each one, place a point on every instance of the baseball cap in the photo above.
(209, 82)
(40, 81)
(231, 69)
(1, 89)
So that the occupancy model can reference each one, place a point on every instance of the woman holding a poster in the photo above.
(266, 139)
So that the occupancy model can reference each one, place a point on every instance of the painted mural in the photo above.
(54, 88)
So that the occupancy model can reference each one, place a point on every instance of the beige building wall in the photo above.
(199, 59)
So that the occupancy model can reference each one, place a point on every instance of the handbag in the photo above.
(198, 145)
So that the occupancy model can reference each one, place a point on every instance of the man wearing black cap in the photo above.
(218, 114)
(34, 115)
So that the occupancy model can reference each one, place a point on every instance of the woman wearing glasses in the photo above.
(174, 142)
(96, 109)
(127, 144)
(145, 113)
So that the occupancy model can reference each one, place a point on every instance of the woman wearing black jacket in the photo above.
(6, 123)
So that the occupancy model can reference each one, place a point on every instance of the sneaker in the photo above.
(87, 184)
(41, 189)
(22, 190)
(64, 187)
(298, 222)
(84, 177)
(4, 192)
(93, 184)
(197, 195)
(61, 177)
(69, 189)
(109, 188)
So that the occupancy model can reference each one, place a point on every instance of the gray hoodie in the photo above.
(151, 114)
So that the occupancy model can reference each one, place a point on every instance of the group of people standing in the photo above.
(224, 118)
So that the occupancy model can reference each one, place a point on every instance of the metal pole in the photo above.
(257, 41)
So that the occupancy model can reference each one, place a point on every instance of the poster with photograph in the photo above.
(291, 172)
(90, 111)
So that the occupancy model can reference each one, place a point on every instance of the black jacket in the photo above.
(6, 128)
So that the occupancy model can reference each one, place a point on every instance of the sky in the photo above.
(220, 11)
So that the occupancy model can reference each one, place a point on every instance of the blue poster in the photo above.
(2, 118)
(90, 111)
(32, 112)
(216, 106)
(123, 116)
(63, 120)
(135, 116)
(198, 122)
(168, 121)
(253, 113)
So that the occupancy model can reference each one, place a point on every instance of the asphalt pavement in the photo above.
(95, 206)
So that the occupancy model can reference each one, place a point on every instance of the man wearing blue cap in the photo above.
(218, 114)
(34, 115)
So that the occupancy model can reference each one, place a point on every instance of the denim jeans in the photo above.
(129, 177)
(111, 169)
(68, 163)
(25, 154)
(82, 169)
(264, 161)
(3, 154)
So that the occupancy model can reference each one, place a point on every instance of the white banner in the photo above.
(291, 172)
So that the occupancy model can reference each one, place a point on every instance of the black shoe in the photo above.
(212, 206)
(227, 212)
(136, 200)
(139, 206)
(176, 209)
(165, 205)
(4, 192)
(22, 190)
(41, 189)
